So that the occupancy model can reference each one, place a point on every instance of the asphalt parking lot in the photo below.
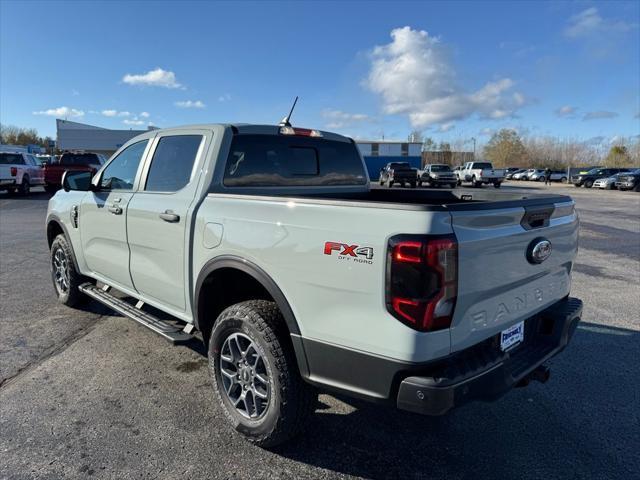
(87, 393)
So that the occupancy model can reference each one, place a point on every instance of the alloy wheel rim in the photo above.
(244, 375)
(61, 270)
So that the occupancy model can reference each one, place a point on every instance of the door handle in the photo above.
(169, 216)
(115, 209)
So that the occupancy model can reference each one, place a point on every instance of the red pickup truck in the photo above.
(70, 161)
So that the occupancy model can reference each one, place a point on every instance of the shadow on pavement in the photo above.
(534, 432)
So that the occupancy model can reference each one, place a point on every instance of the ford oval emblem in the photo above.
(539, 250)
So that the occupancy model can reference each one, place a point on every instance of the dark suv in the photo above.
(594, 174)
(398, 172)
(629, 181)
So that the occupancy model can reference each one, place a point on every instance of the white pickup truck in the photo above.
(268, 243)
(479, 173)
(19, 172)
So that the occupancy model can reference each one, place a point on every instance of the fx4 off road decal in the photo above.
(351, 253)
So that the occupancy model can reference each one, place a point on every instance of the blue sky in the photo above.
(452, 70)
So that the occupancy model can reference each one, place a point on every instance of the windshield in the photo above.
(440, 168)
(400, 165)
(594, 171)
(291, 161)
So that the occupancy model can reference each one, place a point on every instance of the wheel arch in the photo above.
(228, 266)
(55, 227)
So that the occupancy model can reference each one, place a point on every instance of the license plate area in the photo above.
(512, 336)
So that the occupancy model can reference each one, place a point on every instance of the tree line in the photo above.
(507, 148)
(12, 135)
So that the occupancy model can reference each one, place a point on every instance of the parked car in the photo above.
(480, 173)
(19, 171)
(523, 175)
(510, 172)
(608, 183)
(554, 176)
(629, 181)
(300, 277)
(536, 176)
(594, 174)
(436, 174)
(72, 161)
(401, 173)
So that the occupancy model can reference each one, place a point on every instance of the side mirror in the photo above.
(79, 181)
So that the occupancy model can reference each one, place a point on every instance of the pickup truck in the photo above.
(436, 174)
(479, 173)
(268, 243)
(19, 172)
(401, 173)
(72, 161)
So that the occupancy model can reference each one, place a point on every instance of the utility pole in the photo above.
(474, 148)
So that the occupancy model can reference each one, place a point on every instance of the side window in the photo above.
(172, 163)
(121, 172)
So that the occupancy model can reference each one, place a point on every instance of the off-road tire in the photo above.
(72, 296)
(291, 400)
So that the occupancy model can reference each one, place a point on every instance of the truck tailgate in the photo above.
(498, 286)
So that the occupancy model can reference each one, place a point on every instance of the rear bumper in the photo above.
(483, 372)
(4, 183)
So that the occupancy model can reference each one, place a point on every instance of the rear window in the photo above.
(482, 165)
(440, 168)
(11, 159)
(400, 165)
(80, 159)
(271, 160)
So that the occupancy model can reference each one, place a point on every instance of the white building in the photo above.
(80, 136)
(382, 148)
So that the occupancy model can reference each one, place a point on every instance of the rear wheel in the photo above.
(25, 186)
(563, 180)
(255, 376)
(496, 185)
(541, 179)
(389, 183)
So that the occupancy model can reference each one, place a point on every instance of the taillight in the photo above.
(301, 132)
(422, 280)
(14, 171)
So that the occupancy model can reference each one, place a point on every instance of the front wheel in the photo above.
(255, 375)
(389, 183)
(66, 279)
(563, 180)
(496, 185)
(588, 184)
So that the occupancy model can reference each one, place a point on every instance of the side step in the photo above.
(167, 330)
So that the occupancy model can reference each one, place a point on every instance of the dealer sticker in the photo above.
(512, 336)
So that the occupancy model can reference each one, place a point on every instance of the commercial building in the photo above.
(80, 136)
(377, 153)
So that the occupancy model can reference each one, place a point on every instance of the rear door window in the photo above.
(172, 163)
(273, 160)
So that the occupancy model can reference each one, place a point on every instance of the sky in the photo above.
(450, 70)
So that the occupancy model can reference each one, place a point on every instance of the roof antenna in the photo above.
(285, 121)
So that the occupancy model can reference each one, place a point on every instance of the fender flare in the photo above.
(52, 218)
(258, 274)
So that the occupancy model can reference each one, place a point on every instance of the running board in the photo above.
(170, 332)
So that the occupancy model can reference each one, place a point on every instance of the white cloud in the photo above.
(445, 127)
(224, 98)
(566, 111)
(600, 114)
(589, 22)
(414, 77)
(144, 114)
(190, 104)
(61, 112)
(487, 131)
(153, 78)
(340, 119)
(133, 121)
(115, 113)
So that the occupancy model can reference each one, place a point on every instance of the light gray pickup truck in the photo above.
(268, 242)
